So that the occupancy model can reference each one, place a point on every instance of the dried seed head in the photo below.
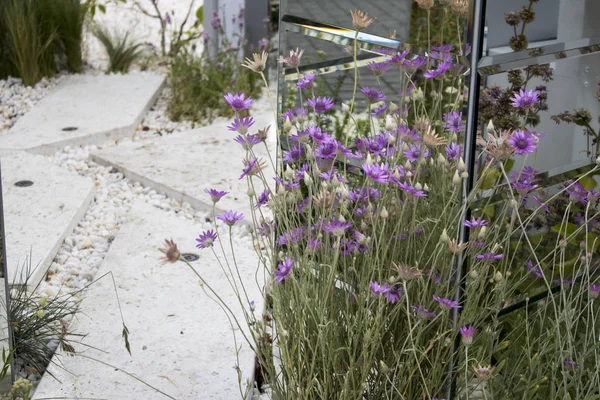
(460, 7)
(170, 251)
(483, 373)
(258, 64)
(432, 139)
(512, 18)
(406, 272)
(361, 20)
(456, 248)
(425, 4)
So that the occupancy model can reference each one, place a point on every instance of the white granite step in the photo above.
(183, 165)
(84, 109)
(39, 217)
(181, 341)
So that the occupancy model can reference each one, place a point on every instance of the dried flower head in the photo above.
(496, 145)
(262, 133)
(406, 272)
(456, 248)
(460, 7)
(170, 251)
(361, 20)
(483, 373)
(432, 139)
(258, 64)
(324, 199)
(293, 61)
(425, 4)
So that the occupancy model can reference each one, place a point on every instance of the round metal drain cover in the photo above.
(69, 128)
(23, 183)
(189, 257)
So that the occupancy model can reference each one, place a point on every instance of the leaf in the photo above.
(200, 14)
(102, 8)
(588, 182)
(125, 335)
(490, 211)
(489, 179)
(564, 230)
(509, 165)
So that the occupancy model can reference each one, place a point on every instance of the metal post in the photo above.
(4, 277)
(476, 25)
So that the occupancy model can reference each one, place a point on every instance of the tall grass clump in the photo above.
(30, 44)
(40, 37)
(197, 83)
(121, 52)
(360, 239)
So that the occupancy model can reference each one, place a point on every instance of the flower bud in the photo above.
(383, 368)
(390, 124)
(598, 161)
(461, 165)
(307, 179)
(407, 165)
(251, 192)
(418, 186)
(384, 213)
(441, 160)
(41, 313)
(464, 175)
(456, 178)
(426, 188)
(363, 225)
(498, 278)
(391, 140)
(482, 232)
(287, 124)
(369, 160)
(444, 236)
(409, 174)
(345, 108)
(43, 301)
(473, 274)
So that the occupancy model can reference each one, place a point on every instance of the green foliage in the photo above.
(198, 85)
(21, 390)
(30, 43)
(35, 34)
(121, 52)
(35, 321)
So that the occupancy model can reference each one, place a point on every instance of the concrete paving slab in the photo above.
(100, 108)
(182, 165)
(39, 217)
(181, 340)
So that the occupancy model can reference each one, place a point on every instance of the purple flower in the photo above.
(452, 151)
(373, 95)
(294, 154)
(409, 189)
(522, 142)
(571, 364)
(377, 172)
(393, 294)
(238, 101)
(247, 141)
(263, 44)
(525, 98)
(489, 257)
(313, 244)
(241, 125)
(443, 52)
(594, 291)
(475, 223)
(379, 111)
(453, 122)
(337, 227)
(215, 22)
(288, 114)
(250, 167)
(262, 199)
(167, 18)
(412, 65)
(206, 239)
(576, 192)
(446, 304)
(398, 58)
(215, 195)
(320, 104)
(378, 68)
(535, 270)
(230, 217)
(422, 312)
(307, 81)
(441, 69)
(413, 152)
(467, 332)
(301, 113)
(378, 289)
(317, 134)
(291, 237)
(284, 269)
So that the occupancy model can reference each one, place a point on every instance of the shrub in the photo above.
(197, 83)
(121, 52)
(367, 257)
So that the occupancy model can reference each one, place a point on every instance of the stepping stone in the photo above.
(183, 164)
(181, 340)
(84, 110)
(38, 217)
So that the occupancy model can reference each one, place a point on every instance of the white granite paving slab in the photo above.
(183, 164)
(181, 341)
(38, 218)
(101, 108)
